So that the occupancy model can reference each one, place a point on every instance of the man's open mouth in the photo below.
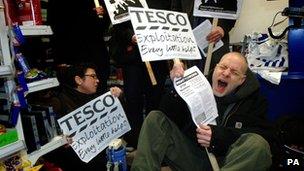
(222, 84)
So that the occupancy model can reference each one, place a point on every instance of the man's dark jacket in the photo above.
(247, 115)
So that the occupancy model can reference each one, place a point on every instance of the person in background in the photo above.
(220, 32)
(78, 31)
(159, 4)
(79, 87)
(141, 95)
(240, 140)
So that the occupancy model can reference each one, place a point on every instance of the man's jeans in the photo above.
(161, 140)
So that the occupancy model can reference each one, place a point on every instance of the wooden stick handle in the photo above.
(176, 60)
(96, 2)
(210, 50)
(212, 160)
(151, 74)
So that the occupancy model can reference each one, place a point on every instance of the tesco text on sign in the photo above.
(163, 35)
(94, 125)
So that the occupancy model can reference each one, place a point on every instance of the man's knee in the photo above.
(256, 142)
(154, 116)
(258, 147)
(157, 120)
(246, 152)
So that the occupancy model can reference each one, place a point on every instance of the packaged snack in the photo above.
(29, 12)
(19, 38)
(22, 63)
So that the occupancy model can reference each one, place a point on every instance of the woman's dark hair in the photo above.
(75, 70)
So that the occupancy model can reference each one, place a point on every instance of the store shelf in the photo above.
(36, 30)
(5, 70)
(42, 84)
(115, 82)
(3, 96)
(11, 149)
(56, 142)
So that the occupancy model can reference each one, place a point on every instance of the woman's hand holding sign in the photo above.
(115, 91)
(69, 140)
(134, 39)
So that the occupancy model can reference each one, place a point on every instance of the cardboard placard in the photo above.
(163, 35)
(94, 125)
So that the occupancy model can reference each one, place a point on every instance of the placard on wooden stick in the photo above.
(118, 9)
(163, 35)
(150, 72)
(215, 9)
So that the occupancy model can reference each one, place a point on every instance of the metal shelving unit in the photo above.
(11, 149)
(7, 71)
(42, 84)
(37, 30)
(56, 142)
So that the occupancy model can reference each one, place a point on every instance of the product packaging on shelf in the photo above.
(11, 12)
(8, 137)
(29, 12)
(24, 12)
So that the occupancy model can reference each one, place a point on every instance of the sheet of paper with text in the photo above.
(195, 89)
(200, 33)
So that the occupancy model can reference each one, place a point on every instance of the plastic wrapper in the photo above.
(22, 63)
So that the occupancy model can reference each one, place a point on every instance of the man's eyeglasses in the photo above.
(232, 71)
(94, 76)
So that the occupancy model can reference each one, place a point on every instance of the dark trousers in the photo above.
(141, 95)
(160, 139)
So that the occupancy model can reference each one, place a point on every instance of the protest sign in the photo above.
(118, 9)
(93, 125)
(163, 35)
(226, 9)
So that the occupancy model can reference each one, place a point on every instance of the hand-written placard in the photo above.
(94, 125)
(118, 9)
(226, 9)
(163, 35)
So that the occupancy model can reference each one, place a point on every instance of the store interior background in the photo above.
(257, 16)
(285, 99)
